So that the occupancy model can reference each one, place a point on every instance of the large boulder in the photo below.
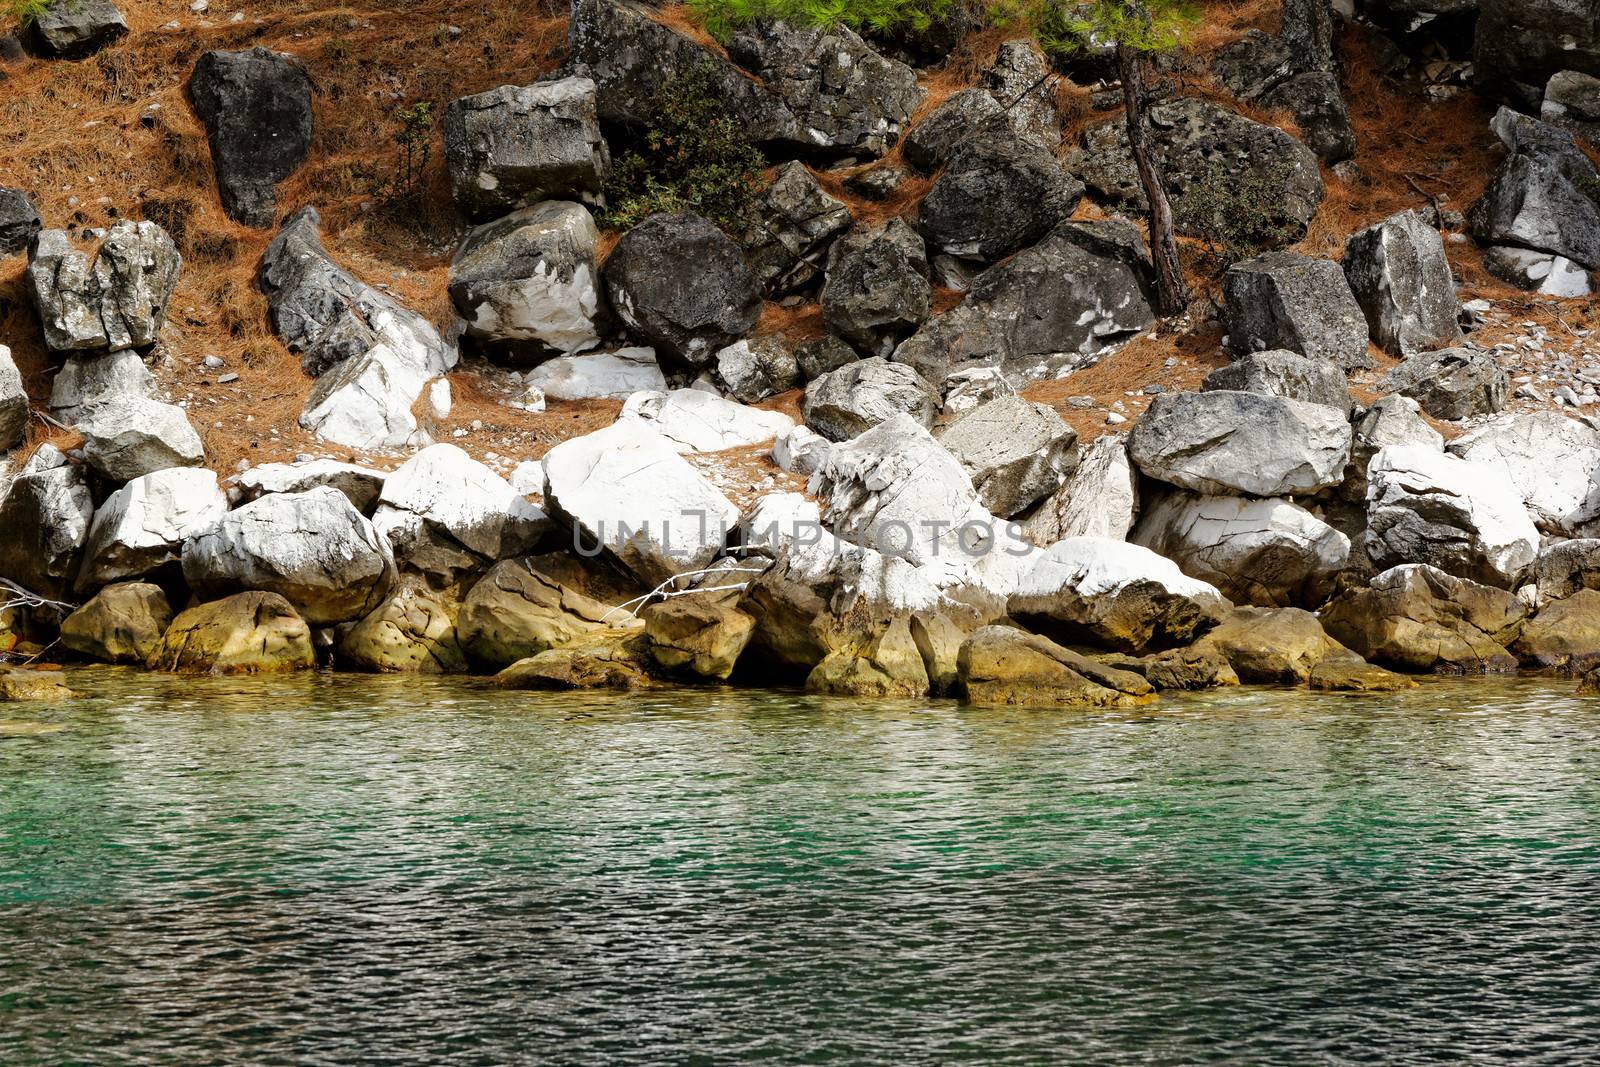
(412, 632)
(520, 608)
(447, 490)
(1272, 646)
(1116, 595)
(1099, 499)
(13, 403)
(91, 379)
(1572, 102)
(961, 118)
(755, 369)
(1286, 374)
(688, 314)
(1227, 443)
(117, 301)
(606, 659)
(1021, 81)
(125, 439)
(887, 664)
(256, 108)
(1418, 618)
(76, 28)
(1001, 665)
(143, 525)
(1050, 308)
(1400, 277)
(1454, 383)
(697, 421)
(1015, 451)
(1427, 507)
(795, 223)
(699, 634)
(1564, 635)
(860, 395)
(1565, 567)
(876, 292)
(360, 485)
(44, 521)
(996, 195)
(312, 548)
(19, 221)
(247, 633)
(1520, 43)
(1390, 420)
(122, 623)
(1283, 300)
(519, 144)
(599, 375)
(1551, 460)
(1541, 198)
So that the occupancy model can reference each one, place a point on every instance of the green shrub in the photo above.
(693, 157)
(414, 136)
(1239, 215)
(25, 11)
(722, 17)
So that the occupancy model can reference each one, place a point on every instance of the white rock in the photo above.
(360, 485)
(1553, 461)
(1099, 499)
(454, 492)
(124, 439)
(800, 450)
(779, 519)
(13, 403)
(600, 376)
(145, 523)
(87, 380)
(367, 401)
(527, 478)
(696, 421)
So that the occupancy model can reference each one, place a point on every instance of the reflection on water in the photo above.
(334, 870)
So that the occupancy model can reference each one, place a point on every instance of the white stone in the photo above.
(1099, 499)
(450, 490)
(145, 523)
(599, 376)
(1552, 460)
(13, 403)
(125, 439)
(85, 381)
(367, 401)
(360, 485)
(800, 450)
(696, 421)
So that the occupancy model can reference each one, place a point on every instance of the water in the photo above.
(345, 870)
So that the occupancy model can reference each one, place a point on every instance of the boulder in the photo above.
(888, 665)
(1352, 674)
(529, 280)
(44, 521)
(1178, 668)
(360, 485)
(1453, 383)
(519, 609)
(998, 194)
(700, 635)
(256, 108)
(1427, 507)
(86, 381)
(1572, 102)
(1400, 277)
(413, 631)
(755, 369)
(18, 684)
(1021, 81)
(143, 525)
(247, 633)
(1391, 420)
(800, 450)
(1284, 374)
(776, 520)
(1565, 567)
(1551, 460)
(1099, 499)
(822, 355)
(600, 376)
(1272, 646)
(795, 223)
(1564, 635)
(604, 659)
(1418, 618)
(1540, 272)
(13, 403)
(1283, 300)
(1226, 443)
(686, 314)
(516, 145)
(625, 489)
(117, 301)
(19, 221)
(877, 290)
(1050, 308)
(125, 439)
(1003, 666)
(1294, 72)
(1016, 452)
(1520, 43)
(845, 98)
(122, 623)
(1114, 594)
(1541, 197)
(447, 489)
(697, 421)
(76, 28)
(860, 395)
(962, 117)
(1270, 553)
(312, 548)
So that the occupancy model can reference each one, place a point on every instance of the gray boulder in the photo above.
(1294, 72)
(1540, 272)
(997, 194)
(1286, 374)
(360, 485)
(44, 519)
(256, 108)
(1520, 44)
(1283, 300)
(72, 29)
(13, 403)
(1099, 499)
(1021, 82)
(795, 222)
(1572, 102)
(960, 118)
(125, 439)
(1015, 451)
(19, 221)
(446, 490)
(1542, 196)
(1455, 383)
(877, 290)
(598, 375)
(1400, 277)
(144, 524)
(85, 381)
(118, 301)
(529, 280)
(860, 395)
(517, 145)
(755, 369)
(1565, 568)
(822, 355)
(683, 286)
(1390, 420)
(1245, 444)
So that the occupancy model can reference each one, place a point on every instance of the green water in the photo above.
(346, 870)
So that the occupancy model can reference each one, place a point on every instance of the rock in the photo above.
(1099, 499)
(626, 489)
(697, 635)
(19, 685)
(858, 396)
(688, 315)
(1116, 595)
(795, 224)
(1319, 111)
(997, 195)
(123, 623)
(448, 490)
(312, 548)
(360, 485)
(518, 610)
(1519, 44)
(1572, 102)
(877, 183)
(1551, 460)
(13, 403)
(696, 421)
(374, 356)
(1418, 618)
(1454, 383)
(1226, 443)
(1198, 145)
(529, 279)
(1178, 668)
(758, 368)
(118, 301)
(1391, 420)
(888, 666)
(143, 525)
(1564, 635)
(1020, 81)
(601, 376)
(44, 520)
(1265, 552)
(1423, 506)
(412, 632)
(76, 28)
(877, 291)
(514, 146)
(1015, 451)
(1283, 300)
(800, 450)
(1002, 666)
(1400, 277)
(19, 221)
(822, 355)
(1541, 197)
(125, 439)
(247, 633)
(256, 108)
(1272, 646)
(86, 381)
(1048, 309)
(1283, 374)
(962, 117)
(1540, 272)
(1565, 567)
(1352, 674)
(604, 659)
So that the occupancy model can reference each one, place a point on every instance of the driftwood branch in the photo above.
(663, 591)
(27, 598)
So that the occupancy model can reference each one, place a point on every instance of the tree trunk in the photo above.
(1172, 295)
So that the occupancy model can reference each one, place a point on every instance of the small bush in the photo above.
(1238, 215)
(414, 136)
(25, 11)
(693, 157)
(722, 17)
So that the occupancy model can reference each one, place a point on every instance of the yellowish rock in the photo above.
(603, 659)
(889, 665)
(1000, 665)
(122, 623)
(412, 632)
(247, 633)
